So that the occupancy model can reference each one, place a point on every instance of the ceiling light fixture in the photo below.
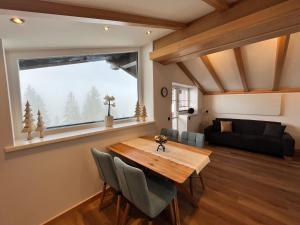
(106, 28)
(148, 32)
(17, 20)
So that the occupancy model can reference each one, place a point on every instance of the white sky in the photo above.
(53, 84)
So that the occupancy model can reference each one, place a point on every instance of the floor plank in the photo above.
(242, 188)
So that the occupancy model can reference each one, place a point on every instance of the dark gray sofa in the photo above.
(250, 135)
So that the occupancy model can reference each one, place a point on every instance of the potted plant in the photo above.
(109, 100)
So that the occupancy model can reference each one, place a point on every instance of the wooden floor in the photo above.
(241, 188)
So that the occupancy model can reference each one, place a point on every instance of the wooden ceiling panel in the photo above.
(220, 5)
(291, 68)
(282, 47)
(279, 19)
(111, 17)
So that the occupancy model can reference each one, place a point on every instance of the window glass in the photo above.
(183, 101)
(71, 90)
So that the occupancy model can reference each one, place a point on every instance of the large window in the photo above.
(70, 90)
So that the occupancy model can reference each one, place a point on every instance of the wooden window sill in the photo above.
(70, 135)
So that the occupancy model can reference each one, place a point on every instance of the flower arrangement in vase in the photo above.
(109, 101)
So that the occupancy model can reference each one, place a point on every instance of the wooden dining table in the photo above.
(177, 163)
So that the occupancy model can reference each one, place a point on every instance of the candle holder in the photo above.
(161, 140)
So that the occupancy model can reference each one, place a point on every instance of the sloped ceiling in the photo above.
(259, 61)
(291, 69)
(226, 67)
(176, 10)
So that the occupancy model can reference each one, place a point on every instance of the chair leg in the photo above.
(191, 186)
(102, 196)
(125, 217)
(172, 213)
(176, 211)
(202, 182)
(118, 209)
(150, 222)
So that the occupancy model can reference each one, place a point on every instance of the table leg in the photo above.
(187, 195)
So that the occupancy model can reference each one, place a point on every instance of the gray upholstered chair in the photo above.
(107, 173)
(150, 196)
(194, 139)
(170, 133)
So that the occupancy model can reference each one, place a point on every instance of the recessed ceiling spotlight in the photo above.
(148, 32)
(106, 28)
(17, 20)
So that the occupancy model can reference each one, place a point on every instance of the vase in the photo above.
(109, 121)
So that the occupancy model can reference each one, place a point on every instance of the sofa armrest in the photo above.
(288, 144)
(207, 131)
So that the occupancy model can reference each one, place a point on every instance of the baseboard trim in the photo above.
(74, 207)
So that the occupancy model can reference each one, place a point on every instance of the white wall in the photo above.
(290, 112)
(147, 79)
(164, 76)
(38, 184)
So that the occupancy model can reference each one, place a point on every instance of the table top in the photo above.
(178, 163)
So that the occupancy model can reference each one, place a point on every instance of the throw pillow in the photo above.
(226, 126)
(274, 130)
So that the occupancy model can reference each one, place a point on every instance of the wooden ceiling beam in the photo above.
(187, 72)
(256, 91)
(282, 47)
(215, 19)
(88, 13)
(241, 67)
(212, 72)
(274, 21)
(220, 5)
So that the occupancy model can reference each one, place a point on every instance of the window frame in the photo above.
(12, 57)
(177, 88)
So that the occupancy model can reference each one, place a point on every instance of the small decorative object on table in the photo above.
(40, 127)
(109, 100)
(144, 113)
(161, 139)
(28, 121)
(137, 111)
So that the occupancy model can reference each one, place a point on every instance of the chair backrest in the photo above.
(133, 185)
(170, 133)
(194, 139)
(106, 168)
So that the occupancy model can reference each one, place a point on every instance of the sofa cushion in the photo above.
(274, 130)
(226, 126)
(269, 145)
(251, 127)
(228, 139)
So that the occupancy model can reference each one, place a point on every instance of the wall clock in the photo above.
(164, 92)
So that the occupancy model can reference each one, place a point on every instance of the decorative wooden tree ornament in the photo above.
(137, 111)
(40, 127)
(144, 113)
(28, 121)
